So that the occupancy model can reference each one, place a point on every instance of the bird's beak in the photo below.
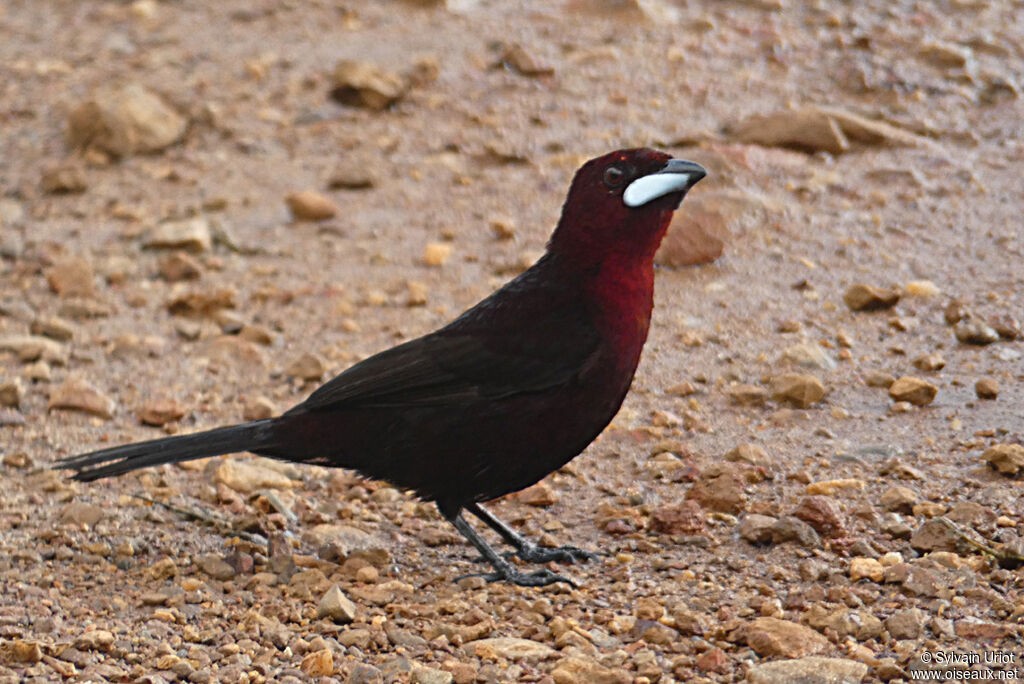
(676, 176)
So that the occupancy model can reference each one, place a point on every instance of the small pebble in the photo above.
(307, 367)
(192, 235)
(861, 297)
(258, 408)
(318, 664)
(336, 606)
(913, 390)
(436, 254)
(866, 568)
(503, 228)
(64, 179)
(78, 395)
(159, 412)
(975, 331)
(747, 395)
(799, 389)
(12, 393)
(929, 362)
(921, 288)
(879, 379)
(899, 499)
(955, 312)
(311, 206)
(1008, 459)
(986, 388)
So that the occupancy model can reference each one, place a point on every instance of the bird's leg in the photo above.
(525, 549)
(503, 570)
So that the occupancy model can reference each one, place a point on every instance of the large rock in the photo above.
(309, 205)
(361, 84)
(249, 476)
(82, 513)
(125, 120)
(703, 225)
(814, 670)
(159, 412)
(773, 637)
(1008, 459)
(318, 663)
(823, 514)
(937, 535)
(336, 606)
(757, 529)
(917, 391)
(822, 129)
(579, 670)
(72, 277)
(686, 518)
(864, 297)
(35, 347)
(799, 389)
(191, 234)
(510, 648)
(845, 622)
(346, 538)
(76, 394)
(720, 487)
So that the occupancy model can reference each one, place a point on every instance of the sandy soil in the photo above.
(752, 528)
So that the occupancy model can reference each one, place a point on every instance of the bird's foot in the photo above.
(561, 554)
(538, 578)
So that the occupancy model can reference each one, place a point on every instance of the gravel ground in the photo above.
(206, 208)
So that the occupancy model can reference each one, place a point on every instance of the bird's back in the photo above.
(508, 392)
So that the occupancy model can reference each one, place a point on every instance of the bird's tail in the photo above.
(251, 436)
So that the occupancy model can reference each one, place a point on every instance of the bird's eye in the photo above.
(613, 176)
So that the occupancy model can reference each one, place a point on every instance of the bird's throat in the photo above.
(624, 291)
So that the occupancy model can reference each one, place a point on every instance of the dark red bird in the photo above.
(508, 392)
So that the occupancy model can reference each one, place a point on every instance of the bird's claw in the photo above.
(538, 578)
(561, 554)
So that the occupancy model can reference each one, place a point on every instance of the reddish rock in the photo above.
(686, 518)
(714, 660)
(692, 242)
(773, 637)
(160, 412)
(539, 494)
(823, 514)
(975, 629)
(179, 266)
(72, 277)
(721, 488)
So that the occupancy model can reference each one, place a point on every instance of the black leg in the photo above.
(525, 549)
(503, 570)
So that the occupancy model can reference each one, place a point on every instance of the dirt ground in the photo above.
(766, 508)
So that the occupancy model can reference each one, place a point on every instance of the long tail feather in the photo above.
(122, 459)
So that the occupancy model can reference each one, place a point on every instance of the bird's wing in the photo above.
(459, 364)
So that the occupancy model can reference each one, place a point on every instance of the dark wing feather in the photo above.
(492, 351)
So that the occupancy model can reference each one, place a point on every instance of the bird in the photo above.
(506, 393)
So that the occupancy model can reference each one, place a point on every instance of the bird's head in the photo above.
(621, 203)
